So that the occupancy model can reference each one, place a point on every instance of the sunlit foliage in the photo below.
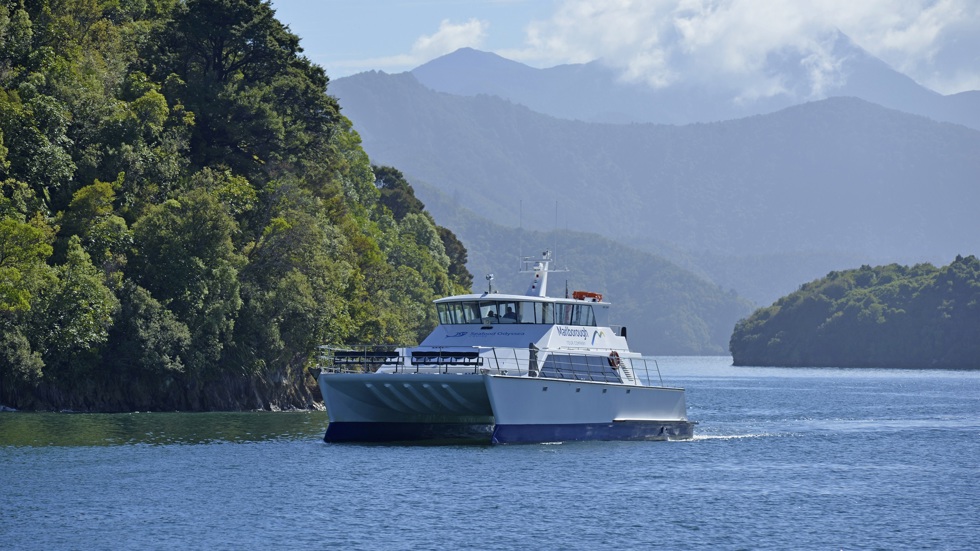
(185, 214)
(887, 316)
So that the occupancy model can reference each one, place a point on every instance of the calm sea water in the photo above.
(784, 459)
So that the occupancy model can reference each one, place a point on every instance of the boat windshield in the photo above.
(514, 311)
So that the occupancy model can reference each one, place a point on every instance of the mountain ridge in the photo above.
(873, 183)
(587, 91)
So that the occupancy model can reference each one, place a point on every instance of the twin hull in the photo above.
(497, 408)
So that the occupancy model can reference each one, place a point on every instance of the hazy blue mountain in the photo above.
(594, 92)
(836, 179)
(668, 310)
(589, 92)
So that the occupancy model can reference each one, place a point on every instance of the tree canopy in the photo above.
(887, 316)
(185, 214)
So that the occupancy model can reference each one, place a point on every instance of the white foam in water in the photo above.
(732, 436)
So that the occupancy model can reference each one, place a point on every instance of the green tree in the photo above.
(185, 258)
(257, 103)
(185, 214)
(396, 193)
(16, 33)
(459, 274)
(294, 291)
(147, 335)
(886, 316)
(24, 276)
(24, 249)
(74, 314)
(91, 216)
(34, 128)
(398, 196)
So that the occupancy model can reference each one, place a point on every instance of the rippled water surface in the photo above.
(783, 459)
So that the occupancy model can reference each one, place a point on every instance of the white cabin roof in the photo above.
(515, 298)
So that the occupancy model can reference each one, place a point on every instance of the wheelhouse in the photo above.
(497, 309)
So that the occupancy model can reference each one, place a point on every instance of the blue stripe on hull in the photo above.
(625, 430)
(435, 433)
(407, 432)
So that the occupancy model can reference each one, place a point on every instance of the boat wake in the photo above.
(733, 436)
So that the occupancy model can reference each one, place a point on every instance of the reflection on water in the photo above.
(109, 429)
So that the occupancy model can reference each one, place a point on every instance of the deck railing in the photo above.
(569, 365)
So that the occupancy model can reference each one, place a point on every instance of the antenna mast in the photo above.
(556, 228)
(520, 232)
(540, 268)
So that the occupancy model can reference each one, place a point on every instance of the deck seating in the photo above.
(354, 358)
(446, 358)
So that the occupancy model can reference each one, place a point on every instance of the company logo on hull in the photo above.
(484, 334)
(574, 333)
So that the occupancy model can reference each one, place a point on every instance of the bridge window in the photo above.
(495, 311)
(575, 314)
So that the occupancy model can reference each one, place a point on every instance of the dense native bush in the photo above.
(185, 214)
(887, 316)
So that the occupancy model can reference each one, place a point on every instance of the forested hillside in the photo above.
(185, 214)
(887, 316)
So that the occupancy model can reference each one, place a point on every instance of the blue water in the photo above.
(784, 459)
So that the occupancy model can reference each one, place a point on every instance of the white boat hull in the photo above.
(497, 409)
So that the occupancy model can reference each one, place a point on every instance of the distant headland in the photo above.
(887, 316)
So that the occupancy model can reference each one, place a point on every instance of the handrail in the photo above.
(560, 364)
(358, 359)
(646, 369)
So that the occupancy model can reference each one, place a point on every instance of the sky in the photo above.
(660, 42)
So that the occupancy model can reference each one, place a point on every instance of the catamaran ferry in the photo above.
(502, 368)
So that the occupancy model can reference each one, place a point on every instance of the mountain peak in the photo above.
(468, 72)
(594, 92)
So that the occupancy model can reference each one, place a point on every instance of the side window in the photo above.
(507, 311)
(588, 316)
(467, 312)
(575, 314)
(445, 314)
(458, 312)
(563, 313)
(547, 313)
(488, 312)
(527, 312)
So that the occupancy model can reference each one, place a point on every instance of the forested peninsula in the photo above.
(887, 316)
(185, 213)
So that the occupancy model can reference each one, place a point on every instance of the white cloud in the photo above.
(447, 39)
(689, 41)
